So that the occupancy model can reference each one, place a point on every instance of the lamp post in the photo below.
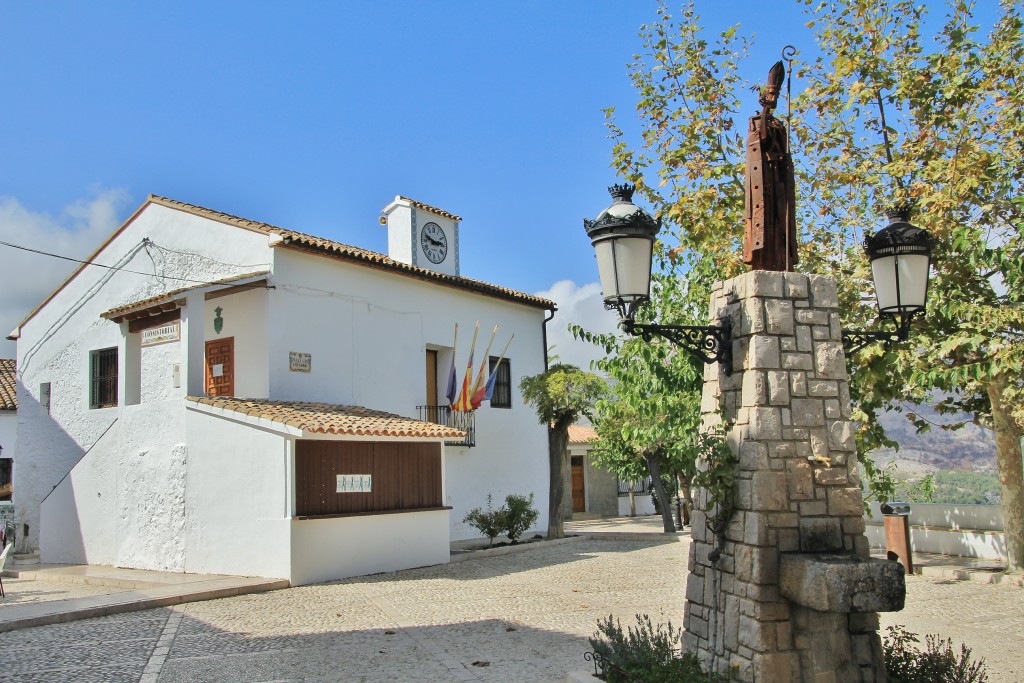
(900, 256)
(623, 238)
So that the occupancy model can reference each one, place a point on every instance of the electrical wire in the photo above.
(100, 265)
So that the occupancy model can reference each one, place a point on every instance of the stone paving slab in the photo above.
(521, 617)
(50, 594)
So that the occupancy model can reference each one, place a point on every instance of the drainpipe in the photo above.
(544, 329)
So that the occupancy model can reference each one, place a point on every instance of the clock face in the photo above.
(433, 242)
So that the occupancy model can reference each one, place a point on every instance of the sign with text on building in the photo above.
(300, 362)
(171, 332)
(354, 483)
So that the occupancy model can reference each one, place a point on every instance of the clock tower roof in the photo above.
(406, 201)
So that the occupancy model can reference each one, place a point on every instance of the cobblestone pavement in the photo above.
(522, 617)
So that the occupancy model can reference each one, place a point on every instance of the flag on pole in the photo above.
(487, 390)
(452, 381)
(480, 386)
(462, 404)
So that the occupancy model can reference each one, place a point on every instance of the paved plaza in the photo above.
(519, 617)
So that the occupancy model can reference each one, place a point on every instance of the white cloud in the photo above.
(29, 278)
(583, 305)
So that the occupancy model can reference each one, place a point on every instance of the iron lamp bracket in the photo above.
(855, 340)
(710, 344)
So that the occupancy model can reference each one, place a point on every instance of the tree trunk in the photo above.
(1011, 474)
(632, 501)
(558, 440)
(664, 505)
(684, 488)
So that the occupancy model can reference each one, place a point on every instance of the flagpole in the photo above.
(452, 383)
(463, 401)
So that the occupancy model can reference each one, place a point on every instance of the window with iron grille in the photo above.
(502, 396)
(103, 373)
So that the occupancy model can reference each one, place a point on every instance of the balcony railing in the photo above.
(444, 415)
(639, 487)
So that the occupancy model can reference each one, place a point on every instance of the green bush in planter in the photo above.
(490, 523)
(518, 515)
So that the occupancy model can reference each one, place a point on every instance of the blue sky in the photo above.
(314, 115)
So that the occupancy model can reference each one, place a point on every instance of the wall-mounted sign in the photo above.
(300, 362)
(217, 370)
(171, 332)
(218, 322)
(354, 483)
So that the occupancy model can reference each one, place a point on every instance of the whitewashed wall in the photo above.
(327, 549)
(124, 503)
(372, 332)
(239, 493)
(947, 529)
(157, 370)
(54, 345)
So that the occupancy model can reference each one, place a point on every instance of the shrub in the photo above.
(489, 523)
(518, 515)
(647, 654)
(906, 663)
(513, 518)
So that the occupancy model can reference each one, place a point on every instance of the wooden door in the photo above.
(431, 377)
(220, 367)
(579, 494)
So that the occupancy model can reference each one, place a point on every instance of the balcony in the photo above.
(444, 415)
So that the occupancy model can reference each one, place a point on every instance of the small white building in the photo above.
(593, 490)
(233, 397)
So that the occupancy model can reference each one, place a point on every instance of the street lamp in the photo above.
(900, 256)
(623, 238)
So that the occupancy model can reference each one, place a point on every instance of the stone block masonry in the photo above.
(787, 405)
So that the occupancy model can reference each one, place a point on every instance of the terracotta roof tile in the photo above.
(317, 245)
(428, 207)
(579, 434)
(141, 304)
(346, 252)
(8, 384)
(328, 418)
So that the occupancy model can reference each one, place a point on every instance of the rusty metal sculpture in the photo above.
(770, 237)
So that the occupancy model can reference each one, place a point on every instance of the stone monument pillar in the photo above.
(788, 591)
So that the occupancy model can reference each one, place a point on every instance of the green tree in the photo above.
(654, 416)
(937, 121)
(560, 395)
(953, 110)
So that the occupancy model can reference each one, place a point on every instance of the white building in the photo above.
(8, 438)
(233, 397)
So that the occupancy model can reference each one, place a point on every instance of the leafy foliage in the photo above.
(517, 515)
(887, 115)
(964, 488)
(488, 522)
(560, 395)
(647, 654)
(513, 519)
(906, 663)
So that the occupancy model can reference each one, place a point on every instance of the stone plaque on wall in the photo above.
(300, 362)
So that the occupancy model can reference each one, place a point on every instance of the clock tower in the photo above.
(422, 235)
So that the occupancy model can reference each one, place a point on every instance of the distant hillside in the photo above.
(970, 448)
